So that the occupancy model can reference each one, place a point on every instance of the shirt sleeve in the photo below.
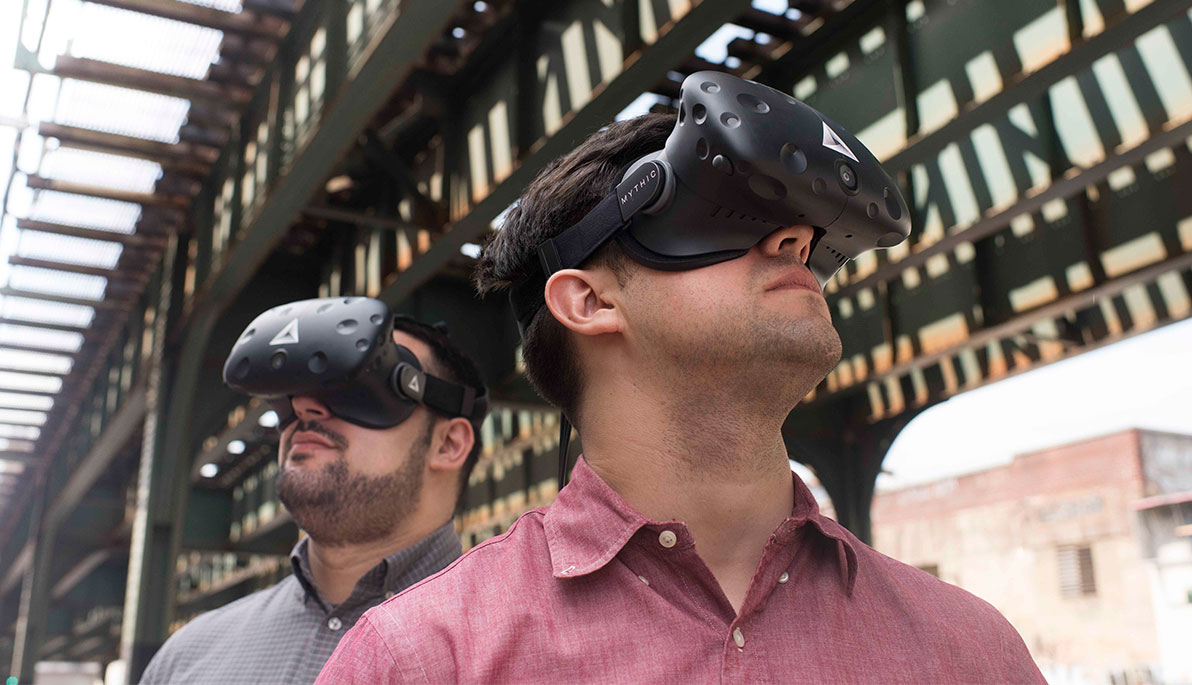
(362, 656)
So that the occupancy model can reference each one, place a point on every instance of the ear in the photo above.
(585, 300)
(455, 440)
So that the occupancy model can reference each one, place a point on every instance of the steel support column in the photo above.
(147, 611)
(35, 594)
(846, 452)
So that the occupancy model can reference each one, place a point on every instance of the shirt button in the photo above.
(334, 624)
(738, 637)
(784, 577)
(667, 539)
(389, 594)
(643, 579)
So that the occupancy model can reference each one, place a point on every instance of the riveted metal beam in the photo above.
(1062, 188)
(360, 218)
(1027, 87)
(111, 273)
(178, 202)
(17, 369)
(807, 50)
(127, 239)
(401, 43)
(23, 457)
(641, 70)
(149, 81)
(245, 22)
(32, 295)
(1021, 323)
(183, 158)
(119, 430)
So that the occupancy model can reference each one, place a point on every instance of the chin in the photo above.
(812, 342)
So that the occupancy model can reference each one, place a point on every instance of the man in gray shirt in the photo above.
(376, 505)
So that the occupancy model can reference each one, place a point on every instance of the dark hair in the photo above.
(449, 363)
(567, 189)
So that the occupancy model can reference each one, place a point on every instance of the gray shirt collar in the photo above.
(392, 574)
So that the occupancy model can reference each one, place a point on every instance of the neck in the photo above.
(337, 568)
(711, 456)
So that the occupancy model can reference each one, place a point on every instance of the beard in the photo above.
(338, 507)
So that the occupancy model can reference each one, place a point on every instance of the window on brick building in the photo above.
(1076, 571)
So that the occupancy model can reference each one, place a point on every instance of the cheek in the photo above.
(369, 456)
(385, 451)
(690, 296)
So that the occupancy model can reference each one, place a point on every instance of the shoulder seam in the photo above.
(389, 652)
(414, 650)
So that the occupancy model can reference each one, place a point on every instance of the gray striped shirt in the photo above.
(285, 633)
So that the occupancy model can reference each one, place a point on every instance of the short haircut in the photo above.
(566, 190)
(449, 363)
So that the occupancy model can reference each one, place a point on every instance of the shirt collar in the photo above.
(589, 524)
(408, 566)
(393, 573)
(300, 561)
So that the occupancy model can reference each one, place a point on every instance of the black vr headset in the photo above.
(743, 161)
(340, 350)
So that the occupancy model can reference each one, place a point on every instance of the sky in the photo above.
(1141, 382)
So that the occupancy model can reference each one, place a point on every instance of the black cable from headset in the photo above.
(564, 443)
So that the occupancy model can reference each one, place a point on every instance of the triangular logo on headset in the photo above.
(413, 384)
(833, 142)
(288, 335)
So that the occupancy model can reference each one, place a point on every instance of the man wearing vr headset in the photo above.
(371, 475)
(678, 341)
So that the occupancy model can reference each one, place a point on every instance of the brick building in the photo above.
(1084, 547)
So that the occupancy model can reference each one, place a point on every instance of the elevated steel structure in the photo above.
(363, 147)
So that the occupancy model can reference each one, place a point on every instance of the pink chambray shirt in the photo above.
(588, 590)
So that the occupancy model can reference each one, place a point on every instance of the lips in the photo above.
(797, 279)
(306, 439)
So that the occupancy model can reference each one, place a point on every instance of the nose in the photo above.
(792, 240)
(309, 408)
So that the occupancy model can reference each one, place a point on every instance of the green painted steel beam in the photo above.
(152, 551)
(1061, 188)
(35, 595)
(1078, 59)
(643, 70)
(208, 520)
(404, 39)
(119, 430)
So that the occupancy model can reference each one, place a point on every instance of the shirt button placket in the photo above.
(334, 624)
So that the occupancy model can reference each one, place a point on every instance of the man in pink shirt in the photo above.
(683, 549)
